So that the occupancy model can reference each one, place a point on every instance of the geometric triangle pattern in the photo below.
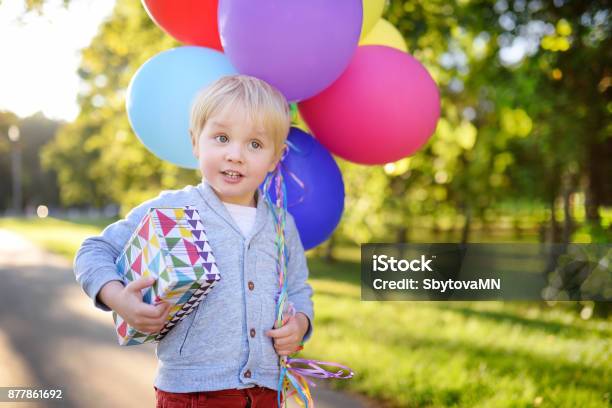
(169, 244)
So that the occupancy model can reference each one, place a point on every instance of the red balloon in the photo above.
(192, 22)
(384, 107)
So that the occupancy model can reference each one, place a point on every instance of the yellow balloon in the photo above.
(372, 10)
(385, 33)
(297, 120)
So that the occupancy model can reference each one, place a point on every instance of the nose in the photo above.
(234, 153)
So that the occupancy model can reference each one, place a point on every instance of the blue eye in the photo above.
(255, 144)
(221, 138)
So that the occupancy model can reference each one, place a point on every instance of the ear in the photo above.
(278, 157)
(194, 144)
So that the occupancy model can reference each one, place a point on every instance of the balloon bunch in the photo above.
(357, 90)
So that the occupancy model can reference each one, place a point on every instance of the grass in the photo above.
(463, 354)
(59, 236)
(432, 354)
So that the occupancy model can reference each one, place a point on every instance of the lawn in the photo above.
(465, 354)
(60, 236)
(428, 354)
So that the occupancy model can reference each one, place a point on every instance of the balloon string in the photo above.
(293, 381)
(316, 370)
(294, 149)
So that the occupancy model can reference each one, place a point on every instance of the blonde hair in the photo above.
(264, 105)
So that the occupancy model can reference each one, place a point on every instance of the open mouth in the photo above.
(232, 174)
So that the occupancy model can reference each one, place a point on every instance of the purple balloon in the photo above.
(315, 190)
(300, 47)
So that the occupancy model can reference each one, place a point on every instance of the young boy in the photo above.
(226, 351)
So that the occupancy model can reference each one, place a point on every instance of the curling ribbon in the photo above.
(292, 380)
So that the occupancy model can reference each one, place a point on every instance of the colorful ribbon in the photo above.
(294, 372)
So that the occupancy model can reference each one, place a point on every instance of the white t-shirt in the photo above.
(243, 215)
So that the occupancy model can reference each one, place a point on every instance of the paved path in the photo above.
(52, 337)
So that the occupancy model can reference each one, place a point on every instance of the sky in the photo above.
(40, 55)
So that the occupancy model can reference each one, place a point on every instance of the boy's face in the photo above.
(234, 156)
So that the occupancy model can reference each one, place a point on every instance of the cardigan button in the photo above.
(252, 333)
(247, 374)
(251, 285)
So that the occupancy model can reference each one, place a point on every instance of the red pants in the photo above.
(255, 397)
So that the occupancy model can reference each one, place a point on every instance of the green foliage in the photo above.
(531, 128)
(510, 129)
(6, 120)
(97, 158)
(39, 185)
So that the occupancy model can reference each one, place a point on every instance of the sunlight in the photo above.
(40, 55)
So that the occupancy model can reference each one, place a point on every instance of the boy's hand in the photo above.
(287, 339)
(141, 316)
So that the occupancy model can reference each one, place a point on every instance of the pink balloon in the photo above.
(384, 107)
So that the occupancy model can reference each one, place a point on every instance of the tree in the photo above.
(39, 186)
(98, 158)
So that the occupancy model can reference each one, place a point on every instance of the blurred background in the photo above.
(522, 153)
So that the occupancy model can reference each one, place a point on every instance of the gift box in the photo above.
(169, 244)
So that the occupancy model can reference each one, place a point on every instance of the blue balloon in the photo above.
(317, 206)
(160, 95)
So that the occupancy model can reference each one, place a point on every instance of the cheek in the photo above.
(264, 162)
(207, 159)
